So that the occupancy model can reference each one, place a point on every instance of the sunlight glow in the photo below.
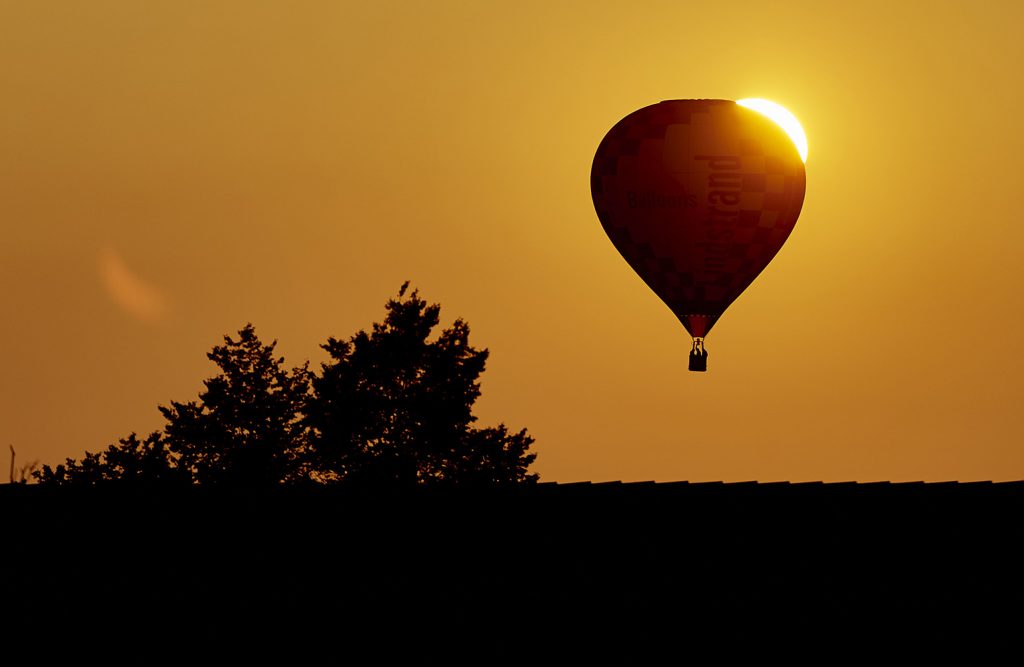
(783, 119)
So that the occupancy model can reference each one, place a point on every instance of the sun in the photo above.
(783, 118)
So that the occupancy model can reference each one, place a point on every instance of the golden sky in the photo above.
(172, 169)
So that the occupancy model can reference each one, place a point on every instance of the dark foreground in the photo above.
(622, 573)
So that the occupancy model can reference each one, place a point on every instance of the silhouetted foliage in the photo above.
(130, 461)
(393, 406)
(245, 429)
(21, 474)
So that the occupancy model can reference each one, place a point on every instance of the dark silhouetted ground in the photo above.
(622, 573)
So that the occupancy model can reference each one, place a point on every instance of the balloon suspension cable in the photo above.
(698, 355)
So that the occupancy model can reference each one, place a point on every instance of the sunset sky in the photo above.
(170, 170)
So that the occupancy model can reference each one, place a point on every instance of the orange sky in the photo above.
(170, 170)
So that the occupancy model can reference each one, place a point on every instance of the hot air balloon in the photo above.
(698, 196)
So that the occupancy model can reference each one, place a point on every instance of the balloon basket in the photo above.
(698, 356)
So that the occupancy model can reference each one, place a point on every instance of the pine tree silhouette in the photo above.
(246, 428)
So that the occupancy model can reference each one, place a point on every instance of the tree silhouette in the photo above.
(392, 407)
(245, 429)
(130, 461)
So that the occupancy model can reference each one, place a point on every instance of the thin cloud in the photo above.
(133, 294)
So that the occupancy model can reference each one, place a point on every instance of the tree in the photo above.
(246, 429)
(130, 461)
(394, 407)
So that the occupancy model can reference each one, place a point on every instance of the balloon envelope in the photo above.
(698, 196)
